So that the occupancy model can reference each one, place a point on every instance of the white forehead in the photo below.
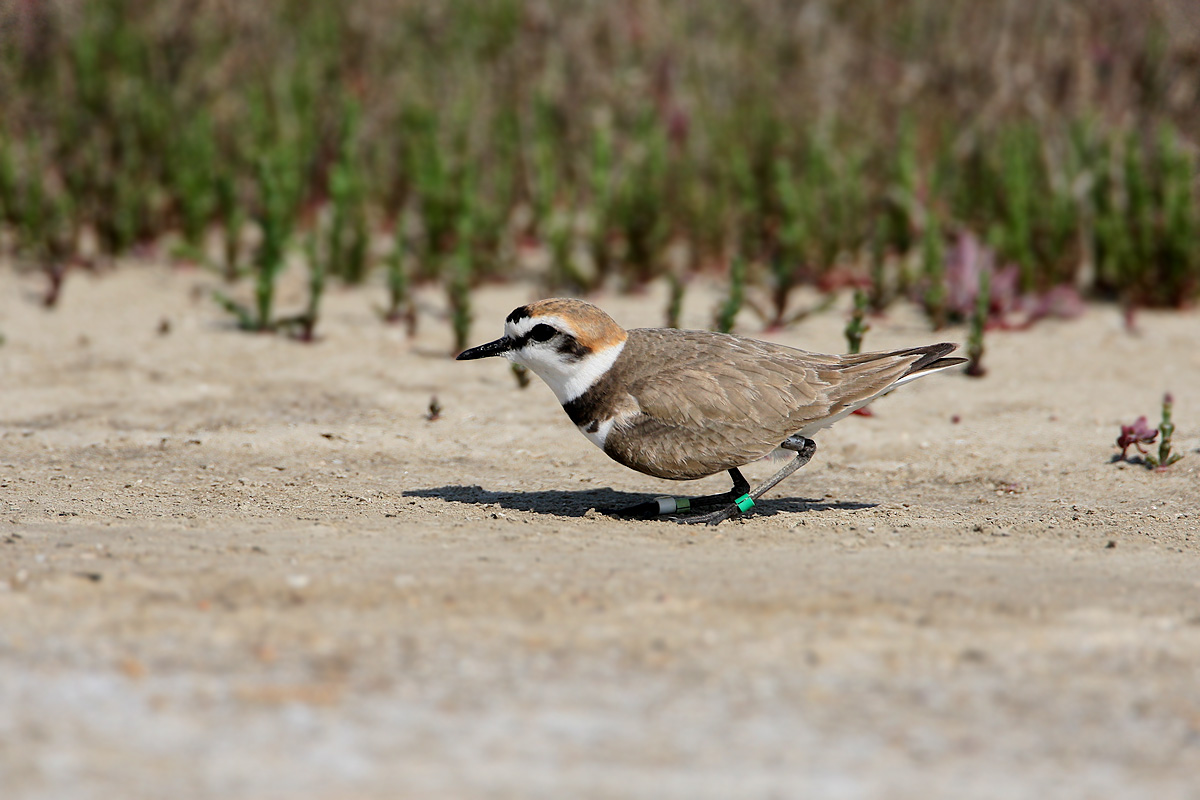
(515, 330)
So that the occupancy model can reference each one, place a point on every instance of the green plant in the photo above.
(459, 288)
(46, 228)
(1179, 241)
(1146, 229)
(1017, 171)
(857, 325)
(303, 326)
(880, 294)
(435, 186)
(1140, 434)
(728, 310)
(192, 168)
(460, 297)
(400, 307)
(600, 184)
(901, 195)
(640, 205)
(979, 320)
(1166, 429)
(551, 207)
(275, 220)
(277, 199)
(233, 219)
(933, 269)
(676, 288)
(10, 211)
(348, 235)
(714, 125)
(789, 257)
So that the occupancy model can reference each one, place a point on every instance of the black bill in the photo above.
(496, 348)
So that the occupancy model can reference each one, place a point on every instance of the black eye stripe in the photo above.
(538, 333)
(568, 345)
(572, 349)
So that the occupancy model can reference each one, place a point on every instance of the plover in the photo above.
(683, 405)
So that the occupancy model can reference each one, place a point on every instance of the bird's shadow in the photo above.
(605, 501)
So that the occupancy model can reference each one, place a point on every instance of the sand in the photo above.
(233, 565)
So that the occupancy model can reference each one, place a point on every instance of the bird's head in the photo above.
(568, 343)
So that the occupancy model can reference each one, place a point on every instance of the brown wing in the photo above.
(708, 401)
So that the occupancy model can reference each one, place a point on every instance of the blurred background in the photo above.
(1040, 152)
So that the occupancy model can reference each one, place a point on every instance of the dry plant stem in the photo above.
(521, 375)
(56, 274)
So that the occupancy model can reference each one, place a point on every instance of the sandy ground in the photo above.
(237, 566)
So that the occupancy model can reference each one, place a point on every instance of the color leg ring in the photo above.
(671, 505)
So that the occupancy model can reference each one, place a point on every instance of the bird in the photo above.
(687, 404)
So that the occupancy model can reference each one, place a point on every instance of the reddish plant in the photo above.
(969, 258)
(1136, 435)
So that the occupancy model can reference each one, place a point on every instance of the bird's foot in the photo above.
(665, 507)
(740, 505)
(646, 510)
(689, 507)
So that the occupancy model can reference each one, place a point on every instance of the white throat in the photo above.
(570, 379)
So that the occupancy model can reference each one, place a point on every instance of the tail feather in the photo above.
(868, 376)
(932, 358)
(931, 361)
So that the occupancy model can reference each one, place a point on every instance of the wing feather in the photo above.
(700, 402)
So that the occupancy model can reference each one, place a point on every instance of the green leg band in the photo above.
(744, 503)
(673, 505)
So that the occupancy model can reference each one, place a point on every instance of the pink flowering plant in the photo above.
(1139, 435)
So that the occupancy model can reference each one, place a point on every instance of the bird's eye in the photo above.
(542, 333)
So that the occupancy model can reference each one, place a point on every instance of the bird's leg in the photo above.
(800, 445)
(682, 505)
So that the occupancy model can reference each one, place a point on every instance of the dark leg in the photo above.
(653, 508)
(803, 448)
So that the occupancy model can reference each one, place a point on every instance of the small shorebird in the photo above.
(684, 405)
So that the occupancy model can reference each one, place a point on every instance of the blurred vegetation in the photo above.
(587, 143)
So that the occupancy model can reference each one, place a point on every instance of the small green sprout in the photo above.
(857, 327)
(1166, 429)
